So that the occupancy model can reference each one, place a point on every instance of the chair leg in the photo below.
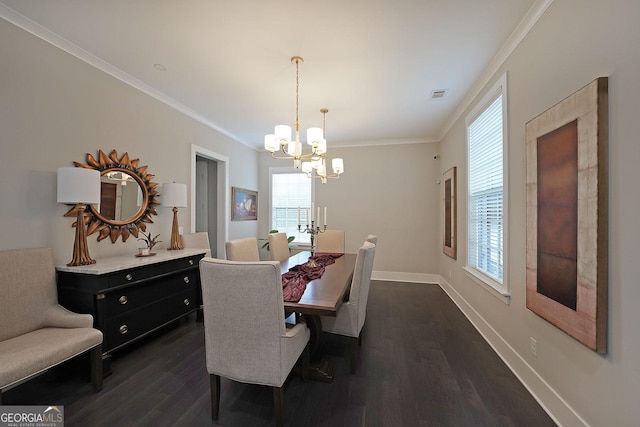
(97, 373)
(353, 352)
(214, 382)
(278, 405)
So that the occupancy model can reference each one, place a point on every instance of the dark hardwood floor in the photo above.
(421, 364)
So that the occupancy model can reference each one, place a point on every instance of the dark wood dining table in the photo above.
(322, 297)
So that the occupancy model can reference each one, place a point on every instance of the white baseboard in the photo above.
(557, 408)
(397, 276)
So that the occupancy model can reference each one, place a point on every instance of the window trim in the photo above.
(287, 170)
(497, 289)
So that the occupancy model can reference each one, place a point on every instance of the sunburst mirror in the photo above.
(127, 198)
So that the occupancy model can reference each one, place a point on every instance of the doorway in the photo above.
(209, 178)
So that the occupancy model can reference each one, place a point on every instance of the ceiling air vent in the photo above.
(437, 94)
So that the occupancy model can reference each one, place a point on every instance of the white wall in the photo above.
(54, 109)
(574, 42)
(389, 191)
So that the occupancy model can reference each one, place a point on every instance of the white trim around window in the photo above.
(302, 240)
(487, 209)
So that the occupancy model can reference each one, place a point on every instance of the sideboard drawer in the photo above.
(138, 274)
(132, 298)
(122, 329)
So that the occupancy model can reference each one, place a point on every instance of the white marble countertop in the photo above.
(109, 265)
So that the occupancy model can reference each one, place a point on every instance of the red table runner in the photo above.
(294, 281)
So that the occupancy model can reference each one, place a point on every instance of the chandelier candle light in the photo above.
(292, 148)
(313, 229)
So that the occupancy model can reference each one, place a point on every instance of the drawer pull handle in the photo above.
(124, 329)
(186, 301)
(190, 262)
(128, 277)
(186, 279)
(123, 299)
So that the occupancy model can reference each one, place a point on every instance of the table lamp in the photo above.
(80, 187)
(174, 196)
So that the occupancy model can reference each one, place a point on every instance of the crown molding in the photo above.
(377, 142)
(54, 39)
(531, 18)
(524, 27)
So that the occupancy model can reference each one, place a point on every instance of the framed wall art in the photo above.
(450, 211)
(244, 204)
(567, 214)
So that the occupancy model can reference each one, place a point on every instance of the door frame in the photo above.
(223, 203)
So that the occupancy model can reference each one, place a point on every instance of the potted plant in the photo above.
(150, 241)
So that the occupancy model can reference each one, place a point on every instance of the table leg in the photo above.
(319, 369)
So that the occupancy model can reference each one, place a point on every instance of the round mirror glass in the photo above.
(121, 197)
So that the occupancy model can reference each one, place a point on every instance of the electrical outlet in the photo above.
(180, 230)
(533, 346)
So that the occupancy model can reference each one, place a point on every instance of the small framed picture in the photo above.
(244, 204)
(449, 237)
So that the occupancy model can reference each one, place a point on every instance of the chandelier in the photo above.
(315, 161)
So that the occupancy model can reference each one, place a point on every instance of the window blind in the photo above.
(288, 192)
(486, 227)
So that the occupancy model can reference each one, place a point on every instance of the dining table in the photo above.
(322, 296)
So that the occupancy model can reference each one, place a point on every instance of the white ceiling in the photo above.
(372, 63)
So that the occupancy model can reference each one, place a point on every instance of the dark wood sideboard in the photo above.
(129, 297)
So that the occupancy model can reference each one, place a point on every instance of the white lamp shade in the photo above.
(78, 185)
(337, 165)
(283, 132)
(174, 195)
(306, 167)
(270, 143)
(291, 148)
(314, 135)
(322, 146)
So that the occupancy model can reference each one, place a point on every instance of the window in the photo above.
(290, 190)
(486, 216)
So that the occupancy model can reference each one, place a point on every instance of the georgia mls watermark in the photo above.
(31, 416)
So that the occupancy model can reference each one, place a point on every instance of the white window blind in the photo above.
(486, 201)
(288, 192)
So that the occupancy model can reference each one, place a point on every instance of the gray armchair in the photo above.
(351, 314)
(246, 339)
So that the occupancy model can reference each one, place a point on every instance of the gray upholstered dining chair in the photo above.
(199, 240)
(331, 241)
(246, 339)
(242, 249)
(351, 314)
(372, 238)
(278, 247)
